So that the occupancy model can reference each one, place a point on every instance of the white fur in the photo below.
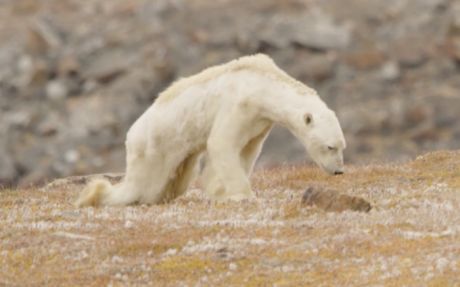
(226, 113)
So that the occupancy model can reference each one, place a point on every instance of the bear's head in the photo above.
(324, 140)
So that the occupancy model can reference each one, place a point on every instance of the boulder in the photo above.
(332, 200)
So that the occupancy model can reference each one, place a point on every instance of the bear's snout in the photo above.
(337, 172)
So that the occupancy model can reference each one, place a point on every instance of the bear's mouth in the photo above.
(332, 171)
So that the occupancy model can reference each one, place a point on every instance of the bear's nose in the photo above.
(337, 172)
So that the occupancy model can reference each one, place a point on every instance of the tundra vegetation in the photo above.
(410, 237)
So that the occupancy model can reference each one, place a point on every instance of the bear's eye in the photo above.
(308, 118)
(331, 148)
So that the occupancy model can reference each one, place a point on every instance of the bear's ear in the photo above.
(308, 118)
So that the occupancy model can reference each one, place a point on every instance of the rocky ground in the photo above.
(410, 237)
(75, 74)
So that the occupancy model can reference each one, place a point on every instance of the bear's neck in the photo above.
(286, 105)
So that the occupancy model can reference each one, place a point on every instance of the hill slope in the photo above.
(411, 236)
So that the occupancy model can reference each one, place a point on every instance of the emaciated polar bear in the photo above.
(225, 112)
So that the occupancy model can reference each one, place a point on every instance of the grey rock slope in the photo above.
(75, 74)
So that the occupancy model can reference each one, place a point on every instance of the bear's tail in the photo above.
(94, 193)
(101, 192)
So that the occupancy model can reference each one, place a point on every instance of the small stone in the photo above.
(441, 264)
(35, 43)
(89, 86)
(366, 60)
(409, 56)
(233, 266)
(452, 48)
(32, 71)
(320, 32)
(107, 68)
(318, 67)
(390, 71)
(72, 156)
(19, 119)
(56, 90)
(25, 63)
(47, 128)
(129, 224)
(315, 30)
(117, 259)
(42, 37)
(286, 269)
(68, 66)
(170, 252)
(425, 132)
(204, 279)
(417, 114)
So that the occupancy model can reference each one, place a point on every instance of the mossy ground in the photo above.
(410, 238)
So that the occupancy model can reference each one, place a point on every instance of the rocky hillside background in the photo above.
(75, 74)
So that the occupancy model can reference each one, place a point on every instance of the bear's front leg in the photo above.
(229, 180)
(228, 174)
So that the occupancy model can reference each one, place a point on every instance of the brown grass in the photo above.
(410, 238)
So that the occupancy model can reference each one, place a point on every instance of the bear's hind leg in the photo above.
(136, 182)
(147, 174)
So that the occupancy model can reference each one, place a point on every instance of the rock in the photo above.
(233, 266)
(409, 55)
(72, 156)
(40, 73)
(390, 71)
(314, 30)
(331, 200)
(423, 133)
(19, 119)
(68, 66)
(33, 71)
(107, 68)
(42, 37)
(454, 24)
(8, 171)
(35, 177)
(25, 7)
(56, 90)
(417, 114)
(366, 59)
(452, 48)
(320, 68)
(35, 43)
(245, 43)
(49, 125)
(318, 31)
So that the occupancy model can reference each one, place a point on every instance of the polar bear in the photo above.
(226, 113)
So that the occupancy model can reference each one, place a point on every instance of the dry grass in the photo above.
(410, 238)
